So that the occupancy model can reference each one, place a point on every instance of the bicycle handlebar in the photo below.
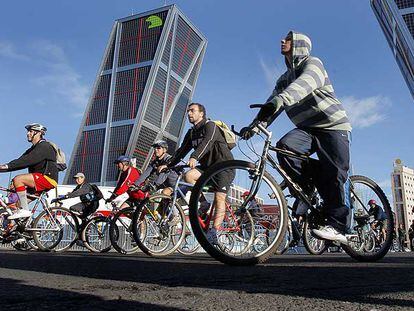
(256, 106)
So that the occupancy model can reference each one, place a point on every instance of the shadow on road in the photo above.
(324, 277)
(27, 297)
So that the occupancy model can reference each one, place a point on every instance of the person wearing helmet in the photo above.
(128, 177)
(253, 205)
(379, 216)
(164, 180)
(40, 160)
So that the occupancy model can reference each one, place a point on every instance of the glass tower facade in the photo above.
(145, 82)
(396, 18)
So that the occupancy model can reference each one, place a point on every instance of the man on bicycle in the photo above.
(88, 194)
(129, 175)
(379, 216)
(209, 147)
(164, 180)
(40, 160)
(305, 92)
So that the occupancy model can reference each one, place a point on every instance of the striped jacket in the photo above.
(305, 92)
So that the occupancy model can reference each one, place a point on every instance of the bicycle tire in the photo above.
(115, 234)
(199, 232)
(88, 240)
(370, 257)
(195, 246)
(40, 242)
(141, 239)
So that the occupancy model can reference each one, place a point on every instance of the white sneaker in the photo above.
(212, 236)
(21, 213)
(330, 233)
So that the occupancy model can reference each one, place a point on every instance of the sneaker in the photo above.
(21, 213)
(212, 236)
(330, 233)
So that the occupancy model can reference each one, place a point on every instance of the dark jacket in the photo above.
(152, 168)
(208, 143)
(40, 158)
(85, 193)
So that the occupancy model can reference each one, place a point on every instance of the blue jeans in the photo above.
(329, 174)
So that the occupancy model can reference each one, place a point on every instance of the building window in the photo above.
(403, 4)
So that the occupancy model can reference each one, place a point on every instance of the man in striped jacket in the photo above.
(305, 92)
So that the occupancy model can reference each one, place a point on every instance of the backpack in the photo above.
(228, 135)
(60, 157)
(97, 192)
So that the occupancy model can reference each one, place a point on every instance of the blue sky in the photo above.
(50, 52)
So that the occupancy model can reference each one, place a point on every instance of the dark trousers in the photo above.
(329, 174)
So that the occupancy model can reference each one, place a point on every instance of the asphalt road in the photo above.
(85, 281)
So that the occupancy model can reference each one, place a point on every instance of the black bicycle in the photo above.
(254, 177)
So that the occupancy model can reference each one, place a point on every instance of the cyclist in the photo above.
(121, 194)
(209, 147)
(40, 160)
(401, 237)
(305, 92)
(88, 194)
(380, 217)
(164, 180)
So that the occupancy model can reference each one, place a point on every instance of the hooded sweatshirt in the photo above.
(305, 92)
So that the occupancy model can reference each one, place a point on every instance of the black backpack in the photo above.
(97, 192)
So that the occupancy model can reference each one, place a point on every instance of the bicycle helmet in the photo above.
(371, 202)
(160, 143)
(36, 127)
(122, 158)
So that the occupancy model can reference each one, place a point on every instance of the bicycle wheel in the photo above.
(313, 245)
(51, 226)
(190, 245)
(270, 221)
(158, 227)
(120, 232)
(363, 189)
(95, 234)
(284, 246)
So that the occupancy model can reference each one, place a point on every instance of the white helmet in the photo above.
(36, 127)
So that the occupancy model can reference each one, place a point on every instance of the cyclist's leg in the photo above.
(332, 148)
(301, 142)
(192, 175)
(222, 182)
(20, 183)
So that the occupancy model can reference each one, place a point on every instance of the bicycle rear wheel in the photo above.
(363, 189)
(95, 234)
(158, 227)
(120, 232)
(268, 224)
(313, 245)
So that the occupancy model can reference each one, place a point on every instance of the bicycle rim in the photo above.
(236, 236)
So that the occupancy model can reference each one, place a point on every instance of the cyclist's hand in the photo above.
(3, 167)
(161, 168)
(192, 163)
(266, 112)
(247, 133)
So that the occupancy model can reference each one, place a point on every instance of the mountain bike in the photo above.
(254, 177)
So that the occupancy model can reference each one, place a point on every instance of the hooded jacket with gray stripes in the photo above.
(305, 92)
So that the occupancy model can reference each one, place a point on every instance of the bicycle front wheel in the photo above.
(120, 232)
(236, 229)
(362, 190)
(158, 226)
(95, 234)
(54, 229)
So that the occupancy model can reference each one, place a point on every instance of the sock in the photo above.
(21, 192)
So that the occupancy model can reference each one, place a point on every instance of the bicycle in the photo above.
(43, 231)
(254, 178)
(159, 224)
